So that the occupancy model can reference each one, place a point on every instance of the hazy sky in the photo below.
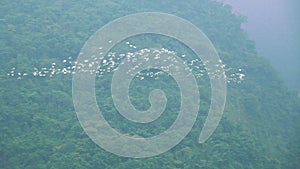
(274, 25)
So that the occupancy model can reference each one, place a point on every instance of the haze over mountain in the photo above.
(274, 25)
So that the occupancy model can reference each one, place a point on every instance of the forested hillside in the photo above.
(38, 123)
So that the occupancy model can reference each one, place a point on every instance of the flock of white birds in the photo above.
(101, 65)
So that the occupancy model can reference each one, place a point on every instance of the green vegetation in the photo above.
(38, 124)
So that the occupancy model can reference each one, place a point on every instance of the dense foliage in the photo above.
(38, 124)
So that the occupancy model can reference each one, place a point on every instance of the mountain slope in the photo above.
(38, 124)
